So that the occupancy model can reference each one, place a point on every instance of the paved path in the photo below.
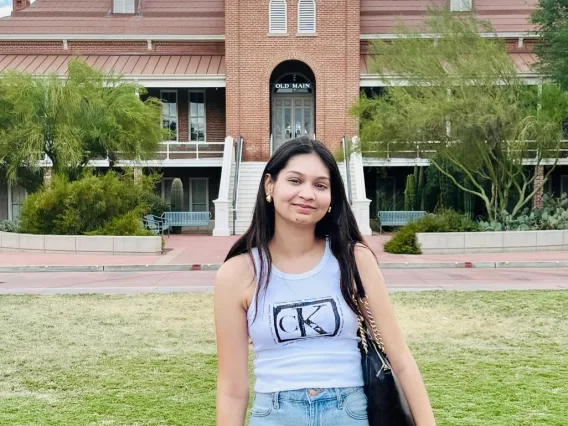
(397, 280)
(201, 249)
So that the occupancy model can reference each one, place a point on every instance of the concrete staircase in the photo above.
(250, 173)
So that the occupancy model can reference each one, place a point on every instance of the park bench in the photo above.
(154, 224)
(186, 219)
(398, 218)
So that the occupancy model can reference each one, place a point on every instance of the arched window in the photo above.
(306, 16)
(277, 16)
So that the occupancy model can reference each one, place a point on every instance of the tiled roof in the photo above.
(523, 62)
(381, 16)
(177, 65)
(156, 17)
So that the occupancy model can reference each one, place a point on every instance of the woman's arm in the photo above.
(232, 342)
(396, 349)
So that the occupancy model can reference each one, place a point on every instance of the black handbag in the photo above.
(387, 404)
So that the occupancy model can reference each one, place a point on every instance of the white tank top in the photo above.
(305, 334)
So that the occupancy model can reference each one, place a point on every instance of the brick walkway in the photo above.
(196, 249)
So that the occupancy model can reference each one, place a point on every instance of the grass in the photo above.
(487, 358)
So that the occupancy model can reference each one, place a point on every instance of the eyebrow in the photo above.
(301, 174)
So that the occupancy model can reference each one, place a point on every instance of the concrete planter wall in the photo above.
(80, 244)
(492, 242)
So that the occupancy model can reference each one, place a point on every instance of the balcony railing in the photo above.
(189, 150)
(388, 151)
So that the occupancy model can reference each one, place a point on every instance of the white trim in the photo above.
(206, 179)
(177, 109)
(189, 92)
(374, 80)
(502, 34)
(111, 37)
(180, 82)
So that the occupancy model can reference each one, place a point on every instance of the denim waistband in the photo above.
(312, 395)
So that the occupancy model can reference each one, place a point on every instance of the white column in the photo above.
(221, 218)
(361, 204)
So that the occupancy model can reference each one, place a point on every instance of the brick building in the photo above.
(230, 71)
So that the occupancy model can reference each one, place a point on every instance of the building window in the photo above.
(169, 113)
(123, 6)
(199, 194)
(277, 16)
(306, 17)
(197, 116)
(460, 5)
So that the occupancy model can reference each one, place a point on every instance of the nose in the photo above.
(307, 192)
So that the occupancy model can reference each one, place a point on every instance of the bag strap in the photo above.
(378, 340)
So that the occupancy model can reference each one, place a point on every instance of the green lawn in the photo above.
(487, 358)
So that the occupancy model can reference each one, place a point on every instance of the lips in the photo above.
(305, 206)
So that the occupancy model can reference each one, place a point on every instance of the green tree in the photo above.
(459, 100)
(88, 115)
(551, 18)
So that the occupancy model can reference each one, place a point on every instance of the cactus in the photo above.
(419, 204)
(409, 193)
(177, 200)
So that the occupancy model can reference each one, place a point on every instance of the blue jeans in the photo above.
(310, 407)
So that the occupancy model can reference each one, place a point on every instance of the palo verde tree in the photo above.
(87, 115)
(457, 98)
(551, 18)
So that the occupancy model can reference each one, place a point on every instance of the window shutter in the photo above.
(460, 5)
(277, 11)
(307, 16)
(129, 7)
(123, 6)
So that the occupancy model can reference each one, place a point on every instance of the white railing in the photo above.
(361, 204)
(420, 152)
(222, 202)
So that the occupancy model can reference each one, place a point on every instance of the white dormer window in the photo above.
(460, 5)
(306, 16)
(277, 16)
(123, 6)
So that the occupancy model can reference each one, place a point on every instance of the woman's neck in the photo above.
(292, 241)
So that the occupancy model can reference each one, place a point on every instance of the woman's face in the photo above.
(302, 191)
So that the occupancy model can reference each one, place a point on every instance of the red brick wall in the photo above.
(252, 55)
(215, 115)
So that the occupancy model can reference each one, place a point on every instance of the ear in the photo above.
(268, 184)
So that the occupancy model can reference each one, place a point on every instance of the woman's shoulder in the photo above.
(236, 268)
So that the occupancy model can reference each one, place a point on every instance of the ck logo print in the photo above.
(306, 320)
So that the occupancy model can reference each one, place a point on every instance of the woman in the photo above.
(287, 284)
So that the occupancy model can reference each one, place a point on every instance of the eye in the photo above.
(294, 181)
(321, 186)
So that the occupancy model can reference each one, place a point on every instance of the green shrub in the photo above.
(552, 216)
(8, 226)
(86, 205)
(405, 241)
(127, 224)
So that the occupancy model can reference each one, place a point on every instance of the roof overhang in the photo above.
(503, 34)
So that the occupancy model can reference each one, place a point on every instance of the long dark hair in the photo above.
(339, 225)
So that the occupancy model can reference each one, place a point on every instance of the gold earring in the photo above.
(329, 210)
(268, 198)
